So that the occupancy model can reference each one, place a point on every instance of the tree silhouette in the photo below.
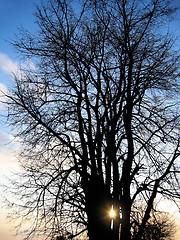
(97, 116)
(160, 226)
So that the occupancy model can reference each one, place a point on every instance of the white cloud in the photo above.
(8, 148)
(10, 67)
(3, 92)
(7, 65)
(28, 65)
(3, 88)
(9, 142)
(8, 159)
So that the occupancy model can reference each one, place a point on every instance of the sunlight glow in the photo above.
(112, 213)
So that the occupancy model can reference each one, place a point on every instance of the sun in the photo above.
(112, 213)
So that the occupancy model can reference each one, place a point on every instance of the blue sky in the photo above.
(13, 14)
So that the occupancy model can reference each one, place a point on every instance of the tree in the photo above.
(160, 226)
(97, 116)
(160, 229)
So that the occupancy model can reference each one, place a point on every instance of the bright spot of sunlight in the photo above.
(112, 213)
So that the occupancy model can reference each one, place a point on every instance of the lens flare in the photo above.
(112, 213)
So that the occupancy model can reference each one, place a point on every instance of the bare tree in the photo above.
(98, 116)
(160, 226)
(159, 229)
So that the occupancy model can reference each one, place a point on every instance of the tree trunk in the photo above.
(98, 206)
(101, 227)
(125, 233)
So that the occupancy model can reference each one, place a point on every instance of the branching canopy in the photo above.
(98, 115)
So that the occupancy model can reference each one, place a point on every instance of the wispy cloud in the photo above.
(3, 88)
(10, 67)
(3, 92)
(9, 146)
(7, 65)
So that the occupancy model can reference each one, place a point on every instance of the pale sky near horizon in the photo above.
(13, 14)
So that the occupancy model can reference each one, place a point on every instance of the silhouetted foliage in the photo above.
(159, 230)
(98, 116)
(160, 226)
(60, 238)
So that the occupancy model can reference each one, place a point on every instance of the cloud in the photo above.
(7, 65)
(13, 68)
(3, 88)
(10, 67)
(3, 92)
(9, 164)
(7, 141)
(8, 149)
(28, 65)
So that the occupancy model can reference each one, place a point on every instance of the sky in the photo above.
(14, 14)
